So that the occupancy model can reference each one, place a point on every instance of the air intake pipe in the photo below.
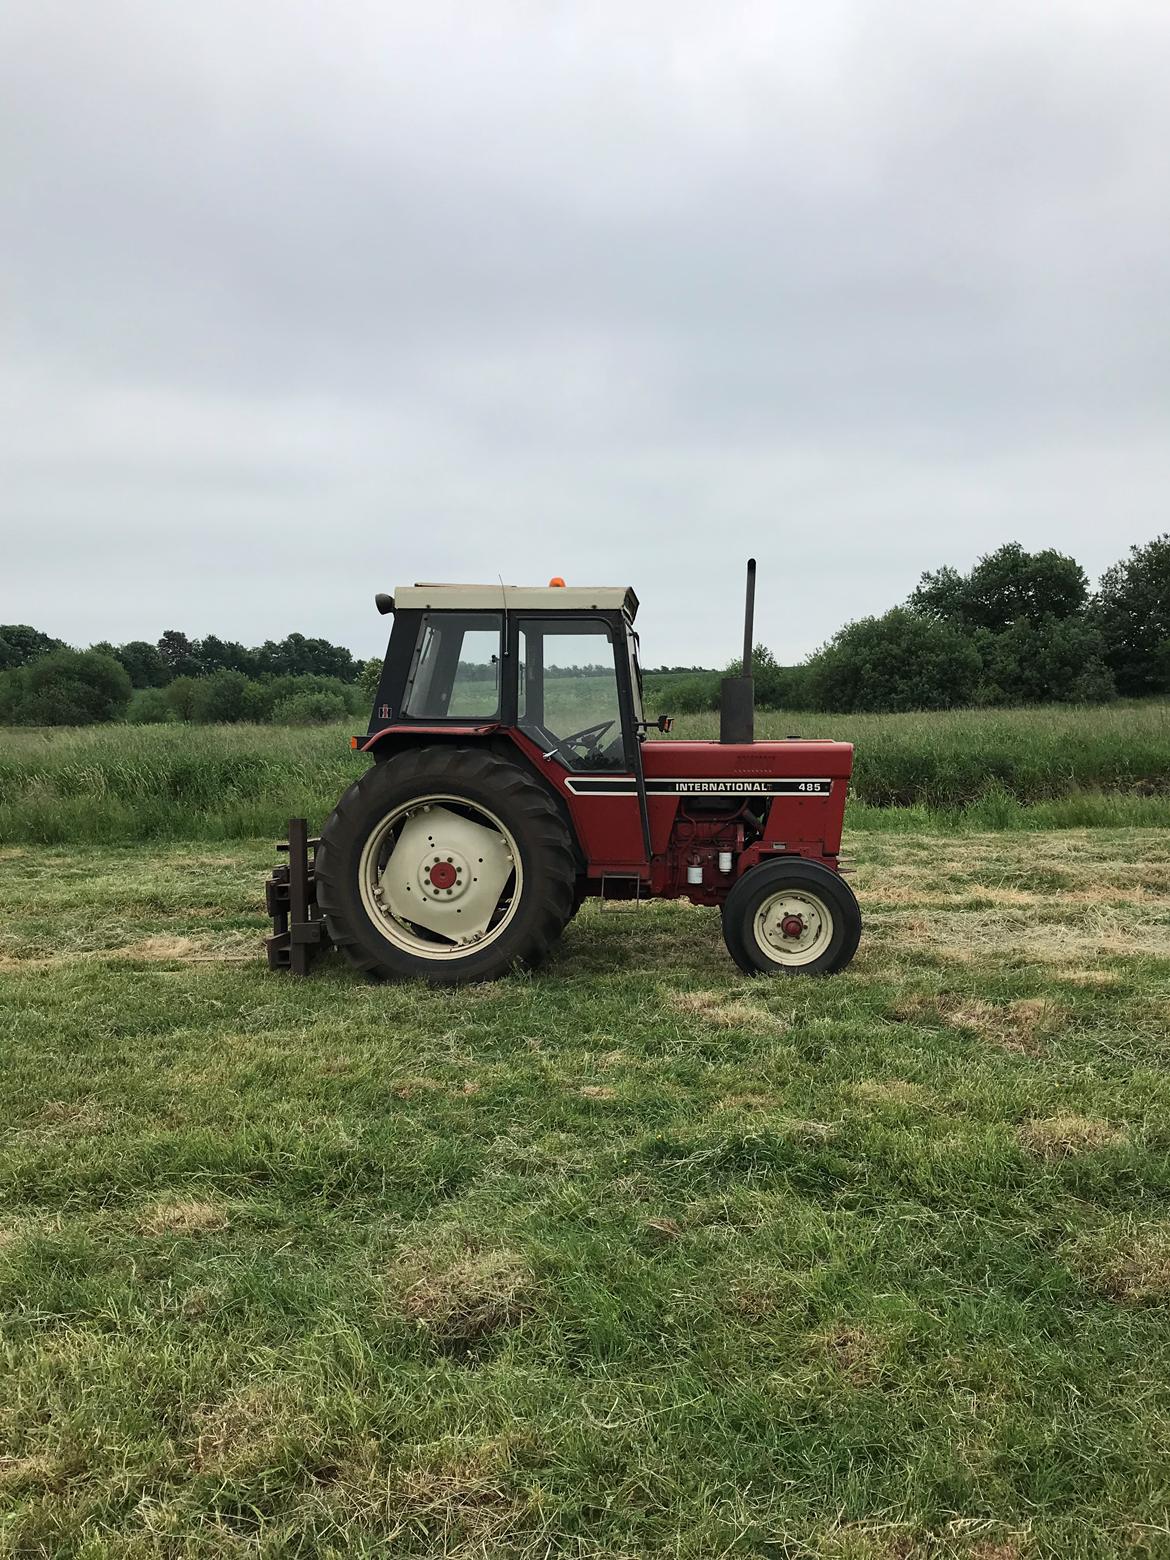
(737, 695)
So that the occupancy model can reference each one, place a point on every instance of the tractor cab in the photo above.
(552, 671)
(558, 664)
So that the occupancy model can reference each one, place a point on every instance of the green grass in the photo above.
(630, 1257)
(953, 759)
(1044, 768)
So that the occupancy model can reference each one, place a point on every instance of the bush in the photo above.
(226, 697)
(278, 689)
(694, 693)
(902, 661)
(65, 688)
(149, 707)
(221, 699)
(682, 695)
(260, 698)
(310, 709)
(182, 695)
(1057, 660)
(795, 688)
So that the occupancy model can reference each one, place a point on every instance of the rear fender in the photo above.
(393, 739)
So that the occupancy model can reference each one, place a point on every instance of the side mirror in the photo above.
(384, 603)
(664, 722)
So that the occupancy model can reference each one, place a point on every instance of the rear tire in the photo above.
(460, 805)
(791, 917)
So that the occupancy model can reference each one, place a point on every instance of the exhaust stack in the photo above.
(737, 696)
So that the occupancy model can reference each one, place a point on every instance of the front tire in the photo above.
(446, 864)
(791, 917)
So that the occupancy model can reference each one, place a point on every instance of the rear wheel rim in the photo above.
(793, 928)
(432, 858)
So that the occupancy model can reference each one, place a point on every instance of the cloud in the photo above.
(303, 300)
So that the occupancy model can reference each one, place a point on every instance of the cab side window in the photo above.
(568, 693)
(456, 673)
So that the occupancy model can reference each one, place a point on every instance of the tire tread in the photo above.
(437, 767)
(795, 870)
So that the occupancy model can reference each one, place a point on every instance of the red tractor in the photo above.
(512, 779)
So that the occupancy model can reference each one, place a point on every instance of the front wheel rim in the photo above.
(440, 878)
(793, 928)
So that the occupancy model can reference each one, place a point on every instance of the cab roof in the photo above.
(516, 598)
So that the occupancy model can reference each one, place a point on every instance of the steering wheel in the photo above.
(588, 736)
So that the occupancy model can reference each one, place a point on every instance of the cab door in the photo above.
(574, 706)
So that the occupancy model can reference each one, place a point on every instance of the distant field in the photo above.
(1051, 767)
(633, 1257)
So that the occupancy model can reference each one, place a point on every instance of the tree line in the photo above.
(175, 655)
(1018, 628)
(295, 680)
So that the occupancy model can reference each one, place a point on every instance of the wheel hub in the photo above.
(793, 927)
(443, 873)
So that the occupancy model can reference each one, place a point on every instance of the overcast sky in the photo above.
(301, 301)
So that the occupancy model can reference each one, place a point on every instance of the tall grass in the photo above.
(118, 783)
(1047, 767)
(957, 758)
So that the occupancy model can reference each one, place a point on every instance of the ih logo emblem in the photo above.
(384, 712)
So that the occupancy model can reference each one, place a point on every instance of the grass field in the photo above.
(630, 1257)
(974, 769)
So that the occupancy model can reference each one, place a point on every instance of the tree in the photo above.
(767, 675)
(1132, 611)
(296, 656)
(178, 653)
(369, 676)
(941, 593)
(224, 655)
(65, 688)
(1038, 662)
(144, 664)
(902, 661)
(20, 644)
(1004, 587)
